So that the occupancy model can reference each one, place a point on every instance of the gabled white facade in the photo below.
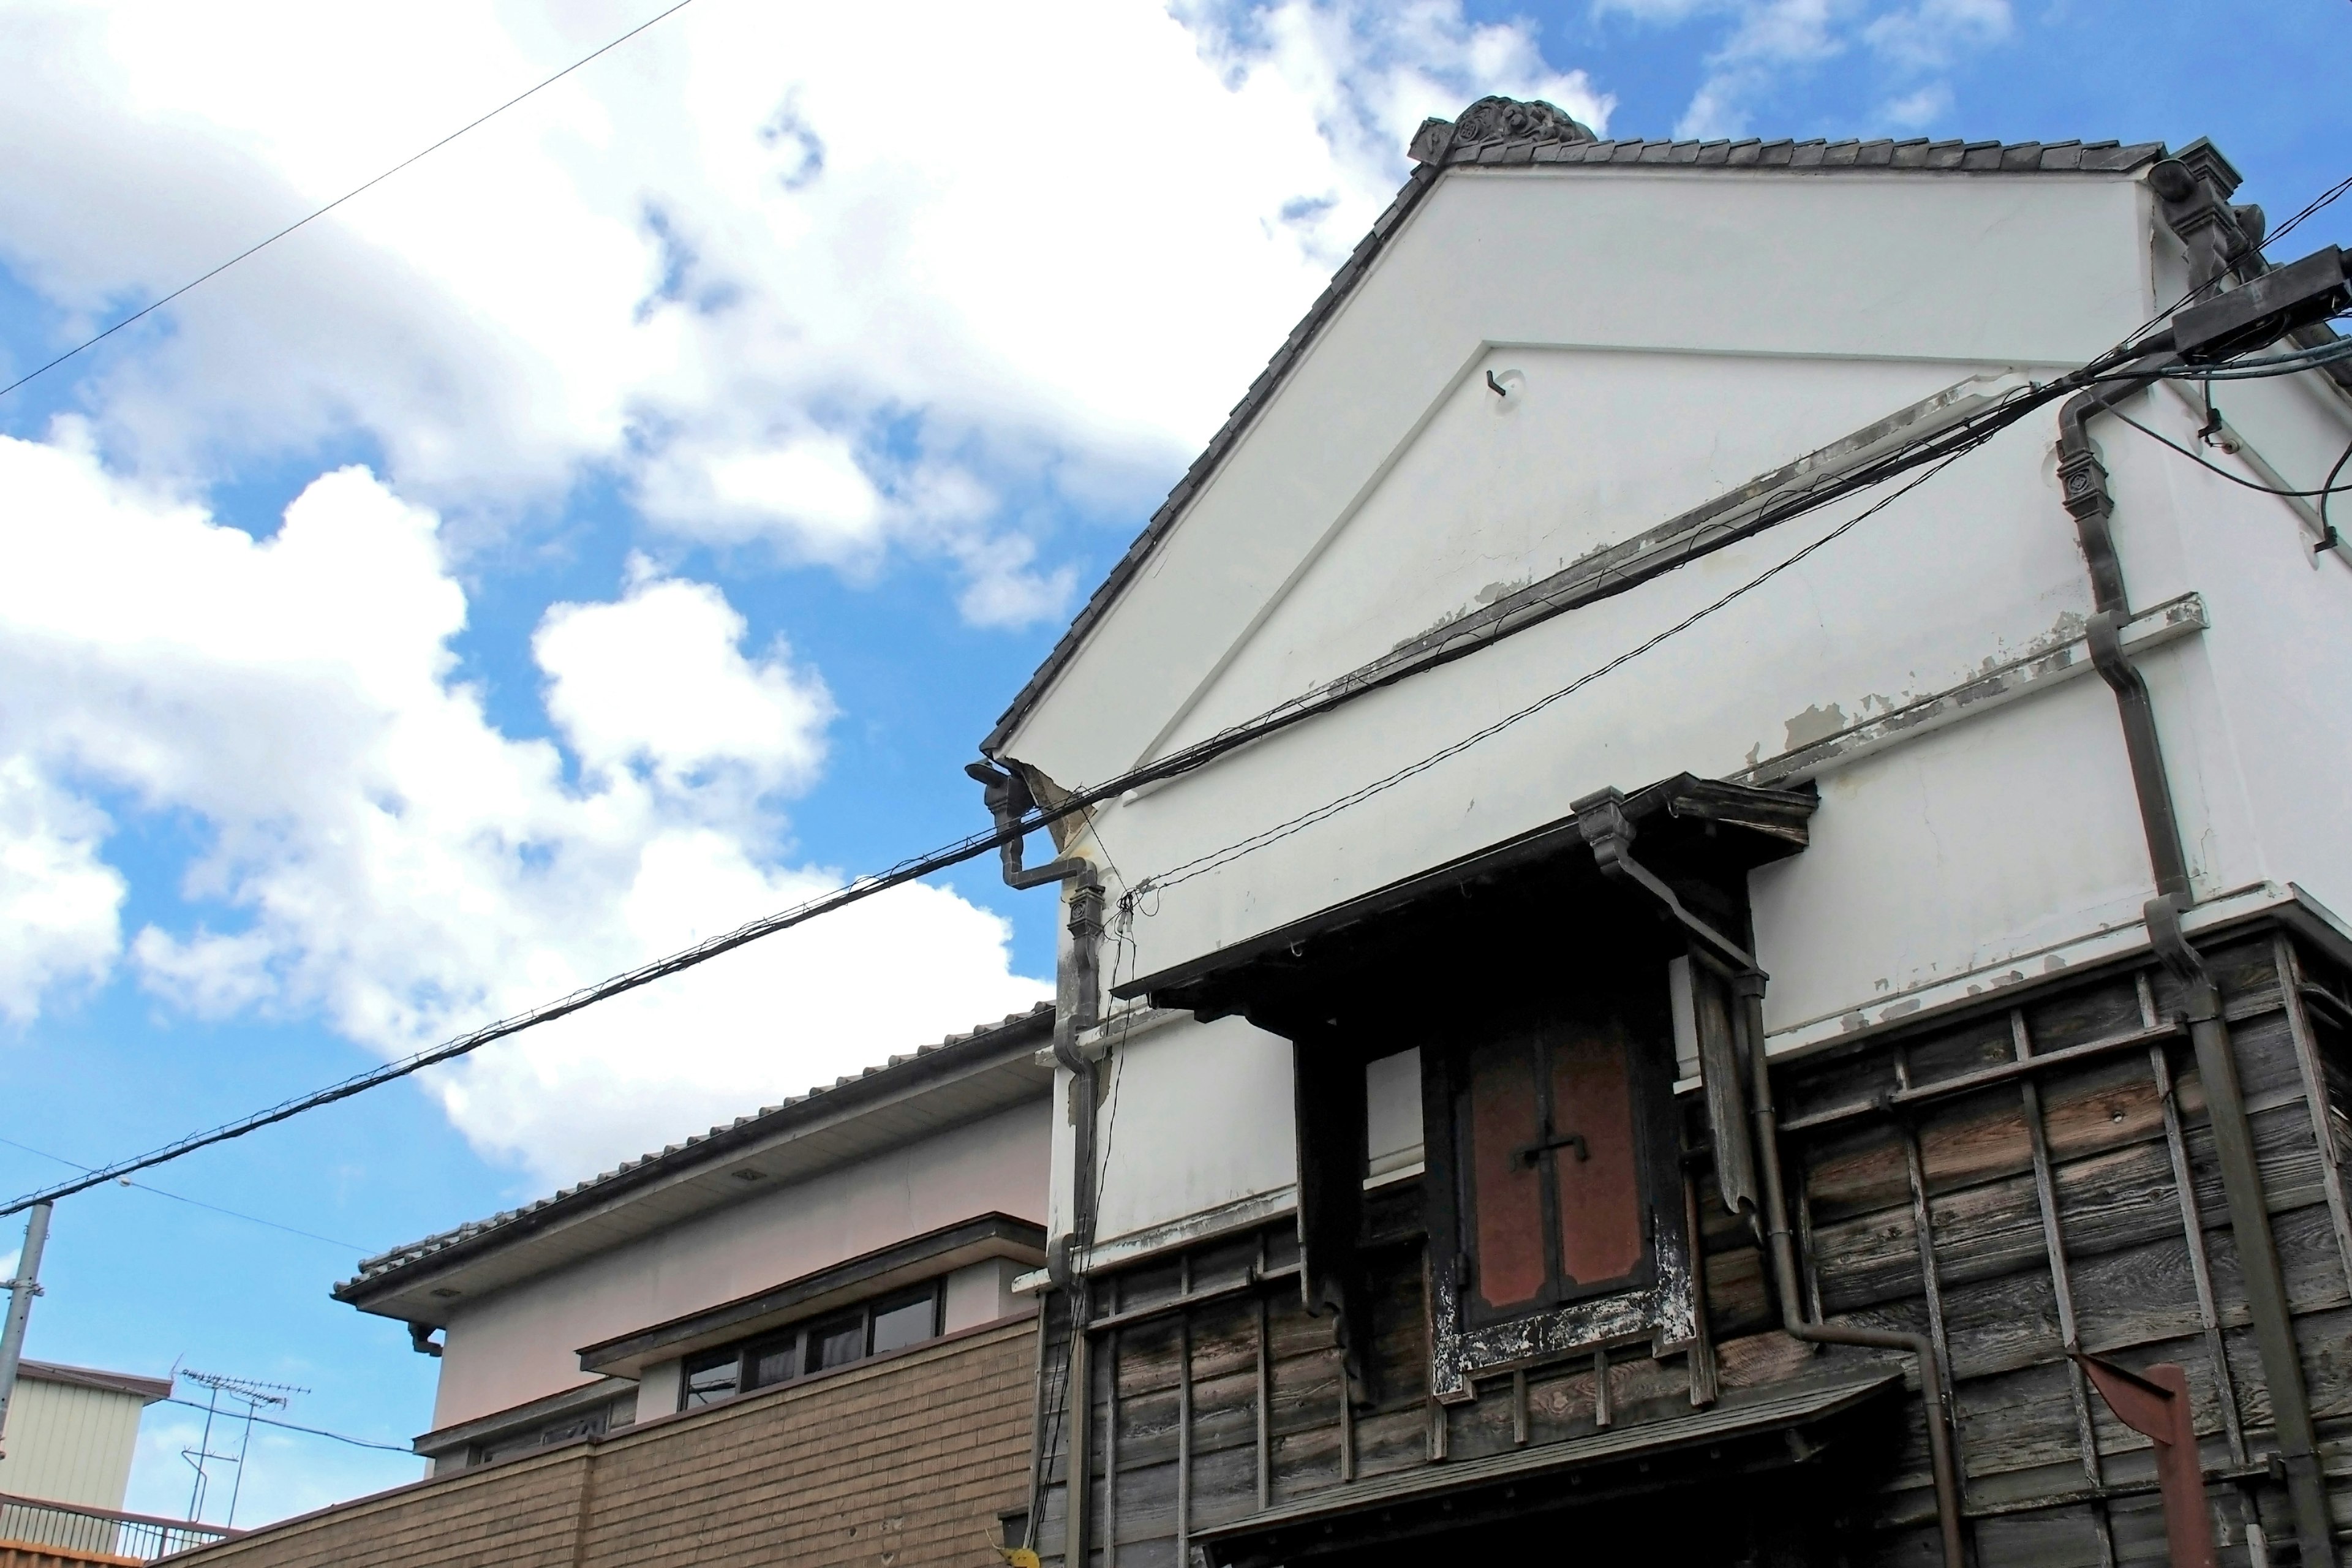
(1660, 337)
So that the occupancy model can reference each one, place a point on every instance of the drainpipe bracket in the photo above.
(2082, 481)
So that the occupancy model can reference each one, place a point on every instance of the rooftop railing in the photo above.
(71, 1533)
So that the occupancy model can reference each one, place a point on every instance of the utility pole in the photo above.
(21, 1291)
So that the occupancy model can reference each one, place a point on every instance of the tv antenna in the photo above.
(255, 1397)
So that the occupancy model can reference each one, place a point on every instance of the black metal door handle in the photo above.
(1527, 1154)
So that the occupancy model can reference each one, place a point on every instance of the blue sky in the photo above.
(689, 466)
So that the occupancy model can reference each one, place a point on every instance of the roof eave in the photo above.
(383, 1292)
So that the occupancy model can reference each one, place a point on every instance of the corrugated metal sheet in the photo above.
(71, 1442)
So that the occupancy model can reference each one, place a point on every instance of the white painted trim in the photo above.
(1996, 687)
(1185, 1230)
(2095, 947)
(1239, 1215)
(1937, 411)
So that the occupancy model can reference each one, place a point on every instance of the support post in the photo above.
(21, 1291)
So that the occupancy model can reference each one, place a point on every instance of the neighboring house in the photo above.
(72, 1433)
(1666, 1059)
(793, 1338)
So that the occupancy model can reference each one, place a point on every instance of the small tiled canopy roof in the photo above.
(1501, 133)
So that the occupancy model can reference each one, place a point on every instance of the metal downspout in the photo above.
(2083, 481)
(1783, 1246)
(1063, 1265)
(1600, 818)
(1007, 791)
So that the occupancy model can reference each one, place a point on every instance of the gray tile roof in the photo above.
(1961, 157)
(1549, 139)
(715, 1143)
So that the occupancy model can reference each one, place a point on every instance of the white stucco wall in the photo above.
(521, 1343)
(1669, 337)
(1195, 1117)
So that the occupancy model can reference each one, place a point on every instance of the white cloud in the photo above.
(1926, 36)
(659, 677)
(58, 901)
(1918, 110)
(381, 854)
(1766, 43)
(784, 270)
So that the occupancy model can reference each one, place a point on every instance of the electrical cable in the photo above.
(905, 871)
(2260, 369)
(183, 1198)
(2329, 489)
(1201, 865)
(1941, 450)
(2322, 200)
(2230, 262)
(153, 306)
(2328, 539)
(1185, 760)
(1938, 448)
(313, 1431)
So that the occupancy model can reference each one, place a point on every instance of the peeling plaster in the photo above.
(1816, 724)
(1822, 737)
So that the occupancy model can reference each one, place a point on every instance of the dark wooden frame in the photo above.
(1660, 1306)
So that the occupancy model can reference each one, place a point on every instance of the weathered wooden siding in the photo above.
(2075, 1206)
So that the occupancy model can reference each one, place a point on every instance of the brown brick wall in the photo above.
(903, 1462)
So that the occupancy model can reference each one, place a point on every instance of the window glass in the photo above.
(709, 1378)
(905, 1321)
(836, 1342)
(771, 1361)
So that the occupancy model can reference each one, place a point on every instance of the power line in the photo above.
(1203, 864)
(183, 1198)
(153, 306)
(2222, 274)
(1183, 761)
(313, 1431)
(2331, 488)
(586, 996)
(1937, 447)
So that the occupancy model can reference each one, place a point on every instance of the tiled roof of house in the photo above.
(1962, 157)
(1502, 133)
(717, 1142)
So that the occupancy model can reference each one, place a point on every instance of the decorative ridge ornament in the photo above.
(1496, 119)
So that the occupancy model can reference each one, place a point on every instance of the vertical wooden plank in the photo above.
(2062, 1285)
(1603, 1407)
(2192, 1226)
(2314, 1095)
(1264, 1394)
(1110, 1447)
(1519, 1408)
(1077, 1479)
(1185, 1432)
(1805, 1243)
(1930, 1282)
(1699, 1359)
(1347, 1423)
